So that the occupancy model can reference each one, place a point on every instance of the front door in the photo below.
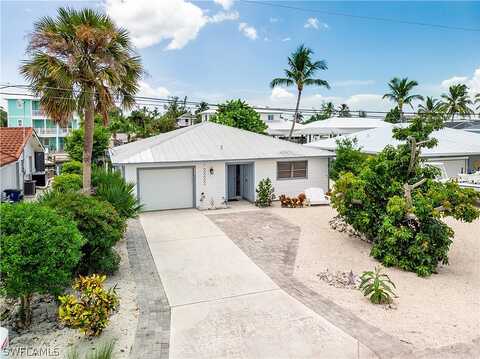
(240, 182)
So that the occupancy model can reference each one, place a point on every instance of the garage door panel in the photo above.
(166, 188)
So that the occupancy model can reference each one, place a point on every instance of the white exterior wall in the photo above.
(213, 186)
(8, 172)
(8, 176)
(317, 176)
(453, 165)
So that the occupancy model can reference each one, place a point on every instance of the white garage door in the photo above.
(453, 166)
(165, 188)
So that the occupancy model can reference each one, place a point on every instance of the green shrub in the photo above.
(237, 113)
(377, 286)
(91, 308)
(72, 167)
(396, 202)
(265, 193)
(40, 250)
(74, 143)
(98, 222)
(348, 158)
(67, 182)
(111, 187)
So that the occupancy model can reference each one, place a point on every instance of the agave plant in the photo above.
(377, 286)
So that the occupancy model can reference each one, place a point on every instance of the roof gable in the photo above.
(209, 142)
(12, 143)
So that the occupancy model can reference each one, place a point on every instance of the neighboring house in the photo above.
(21, 156)
(26, 112)
(206, 165)
(187, 119)
(277, 124)
(335, 126)
(458, 150)
(467, 125)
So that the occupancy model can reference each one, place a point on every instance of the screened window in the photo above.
(292, 169)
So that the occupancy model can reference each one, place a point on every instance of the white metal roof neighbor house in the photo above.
(334, 126)
(206, 165)
(459, 150)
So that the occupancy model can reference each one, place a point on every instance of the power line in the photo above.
(157, 101)
(364, 17)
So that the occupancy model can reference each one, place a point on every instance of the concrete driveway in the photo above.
(224, 306)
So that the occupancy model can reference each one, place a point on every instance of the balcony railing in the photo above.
(38, 113)
(52, 131)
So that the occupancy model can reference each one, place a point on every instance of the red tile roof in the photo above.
(12, 142)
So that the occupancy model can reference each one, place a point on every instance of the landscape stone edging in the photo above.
(152, 338)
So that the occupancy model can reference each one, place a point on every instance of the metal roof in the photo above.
(337, 124)
(451, 142)
(282, 127)
(209, 141)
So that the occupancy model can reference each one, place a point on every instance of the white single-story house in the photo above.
(335, 126)
(206, 165)
(458, 150)
(187, 119)
(21, 156)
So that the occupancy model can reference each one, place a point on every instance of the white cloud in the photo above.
(368, 102)
(314, 23)
(453, 81)
(285, 39)
(226, 4)
(280, 93)
(473, 82)
(247, 30)
(224, 16)
(150, 22)
(148, 91)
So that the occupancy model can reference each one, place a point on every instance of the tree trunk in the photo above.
(295, 116)
(88, 144)
(400, 108)
(26, 310)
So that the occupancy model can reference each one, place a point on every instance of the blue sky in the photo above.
(232, 49)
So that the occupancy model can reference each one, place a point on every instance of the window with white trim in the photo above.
(292, 169)
(270, 117)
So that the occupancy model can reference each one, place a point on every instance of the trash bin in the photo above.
(14, 195)
(29, 188)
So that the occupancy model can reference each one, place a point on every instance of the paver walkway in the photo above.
(224, 306)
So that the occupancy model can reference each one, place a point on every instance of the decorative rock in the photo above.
(347, 280)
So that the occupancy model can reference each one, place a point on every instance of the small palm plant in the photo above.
(377, 286)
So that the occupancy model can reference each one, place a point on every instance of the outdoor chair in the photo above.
(316, 196)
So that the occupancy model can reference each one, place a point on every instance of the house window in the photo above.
(270, 117)
(292, 169)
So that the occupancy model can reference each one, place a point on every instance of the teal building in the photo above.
(27, 112)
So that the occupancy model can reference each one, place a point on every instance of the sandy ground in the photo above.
(429, 313)
(122, 328)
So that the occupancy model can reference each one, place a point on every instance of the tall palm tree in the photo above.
(343, 110)
(300, 72)
(400, 92)
(456, 101)
(431, 105)
(81, 61)
(328, 109)
(477, 100)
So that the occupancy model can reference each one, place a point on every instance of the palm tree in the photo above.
(300, 72)
(431, 105)
(400, 92)
(477, 100)
(328, 109)
(343, 110)
(456, 101)
(81, 61)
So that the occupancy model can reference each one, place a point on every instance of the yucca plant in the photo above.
(377, 286)
(120, 196)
